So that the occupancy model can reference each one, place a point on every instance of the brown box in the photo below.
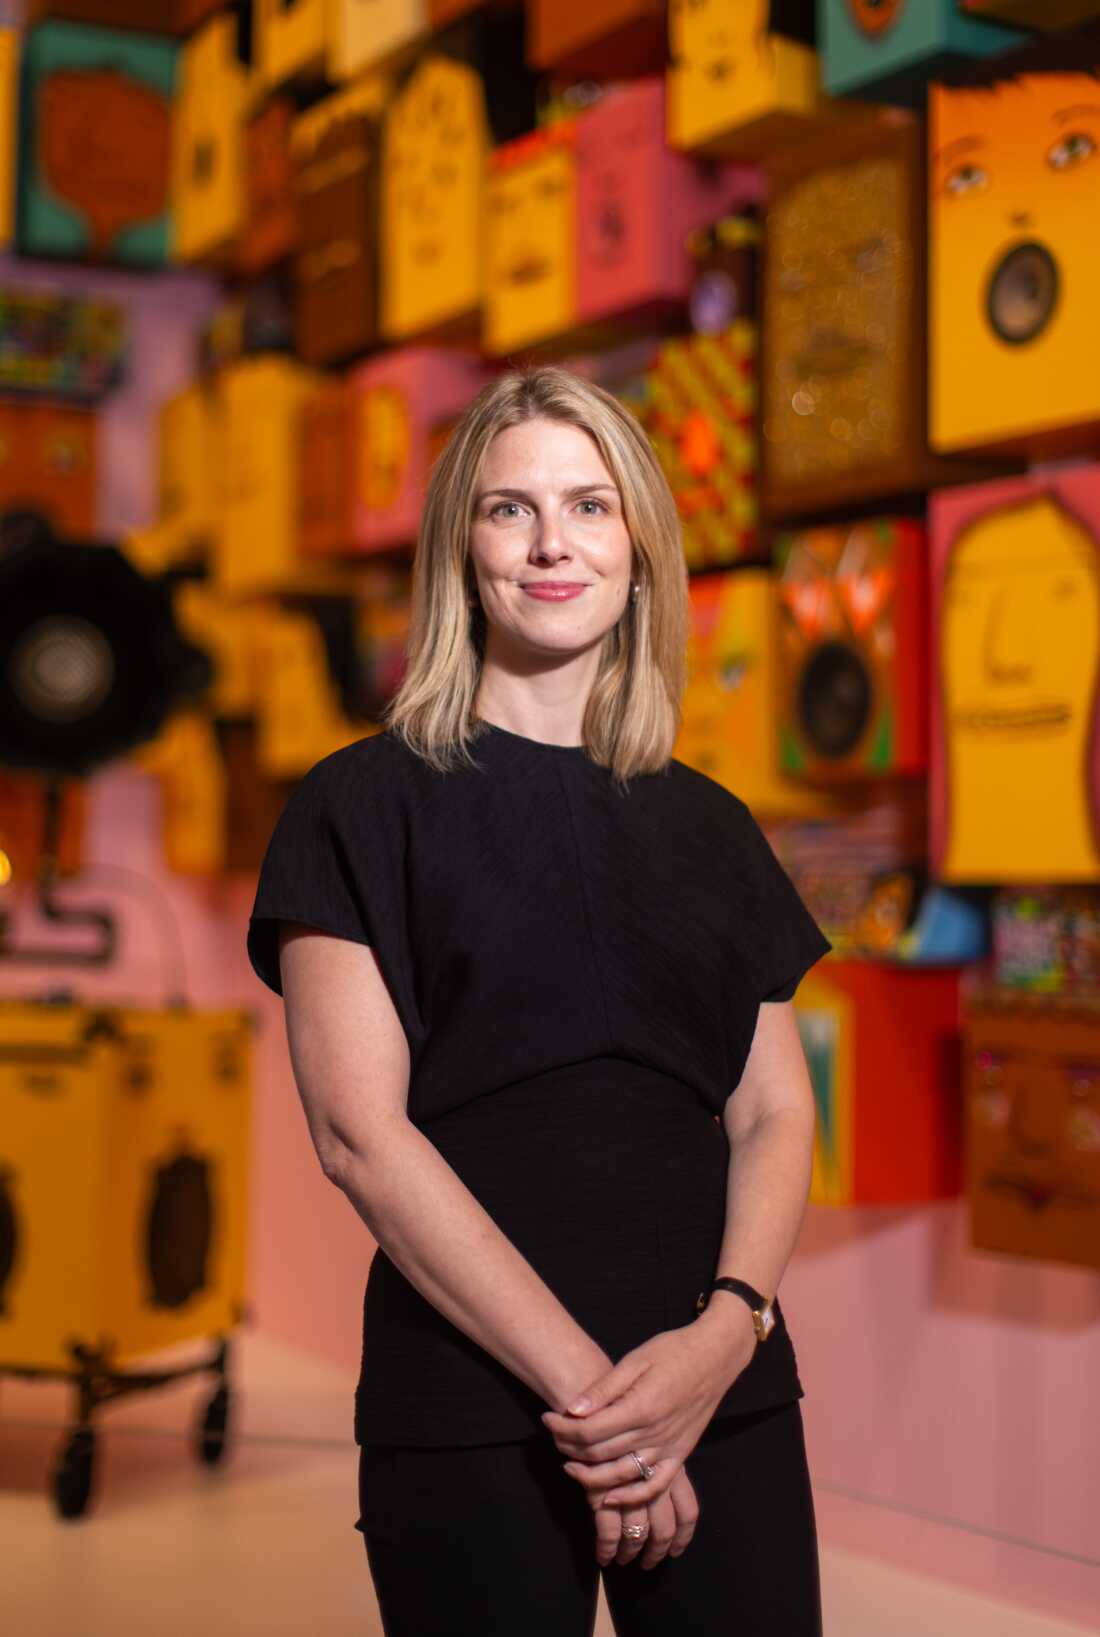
(271, 217)
(598, 39)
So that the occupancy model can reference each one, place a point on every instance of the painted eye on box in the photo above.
(1084, 1078)
(965, 179)
(1071, 149)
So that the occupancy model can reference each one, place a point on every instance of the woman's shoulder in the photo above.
(694, 787)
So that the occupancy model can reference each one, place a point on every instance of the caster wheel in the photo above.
(74, 1473)
(210, 1441)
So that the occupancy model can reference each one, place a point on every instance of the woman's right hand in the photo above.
(670, 1519)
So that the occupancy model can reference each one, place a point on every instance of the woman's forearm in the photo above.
(447, 1245)
(766, 1194)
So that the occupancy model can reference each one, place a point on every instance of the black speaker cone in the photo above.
(1023, 294)
(834, 700)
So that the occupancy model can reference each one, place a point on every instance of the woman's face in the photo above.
(547, 513)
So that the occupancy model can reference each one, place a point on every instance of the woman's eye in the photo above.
(509, 507)
(1074, 147)
(598, 506)
(965, 179)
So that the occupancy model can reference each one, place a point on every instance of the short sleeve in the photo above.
(309, 872)
(790, 940)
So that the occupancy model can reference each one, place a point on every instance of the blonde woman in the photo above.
(537, 979)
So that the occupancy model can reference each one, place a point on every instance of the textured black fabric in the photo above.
(508, 1539)
(578, 972)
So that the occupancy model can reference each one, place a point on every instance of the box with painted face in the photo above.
(742, 76)
(1015, 772)
(699, 410)
(596, 39)
(48, 464)
(853, 650)
(207, 155)
(270, 214)
(108, 202)
(289, 40)
(1015, 262)
(637, 204)
(530, 240)
(399, 397)
(729, 728)
(843, 387)
(1031, 1080)
(435, 142)
(326, 450)
(888, 1128)
(335, 148)
(9, 129)
(366, 34)
(888, 50)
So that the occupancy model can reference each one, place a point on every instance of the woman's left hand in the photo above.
(656, 1401)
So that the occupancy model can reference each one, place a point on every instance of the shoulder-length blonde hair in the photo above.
(633, 711)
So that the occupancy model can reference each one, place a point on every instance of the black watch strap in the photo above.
(738, 1288)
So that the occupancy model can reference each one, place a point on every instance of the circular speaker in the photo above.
(834, 700)
(1023, 294)
(61, 668)
(875, 16)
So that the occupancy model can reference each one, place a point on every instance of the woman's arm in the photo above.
(659, 1397)
(351, 1064)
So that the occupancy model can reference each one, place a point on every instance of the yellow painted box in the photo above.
(290, 41)
(124, 1141)
(434, 147)
(208, 143)
(736, 84)
(530, 239)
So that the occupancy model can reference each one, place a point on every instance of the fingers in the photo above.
(620, 1420)
(608, 1534)
(577, 1443)
(634, 1518)
(596, 1479)
(684, 1503)
(662, 1532)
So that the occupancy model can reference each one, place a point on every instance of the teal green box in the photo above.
(888, 50)
(95, 130)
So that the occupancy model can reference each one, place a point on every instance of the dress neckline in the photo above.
(536, 744)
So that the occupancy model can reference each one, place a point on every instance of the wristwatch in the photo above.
(763, 1318)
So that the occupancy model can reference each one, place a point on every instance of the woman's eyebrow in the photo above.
(570, 494)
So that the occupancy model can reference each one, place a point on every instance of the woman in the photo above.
(526, 958)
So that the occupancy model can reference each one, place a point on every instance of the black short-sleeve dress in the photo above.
(578, 972)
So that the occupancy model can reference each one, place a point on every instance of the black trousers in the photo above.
(497, 1541)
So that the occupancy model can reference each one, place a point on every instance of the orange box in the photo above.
(596, 39)
(531, 236)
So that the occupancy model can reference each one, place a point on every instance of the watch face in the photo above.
(767, 1322)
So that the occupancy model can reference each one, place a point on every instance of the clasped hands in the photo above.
(656, 1401)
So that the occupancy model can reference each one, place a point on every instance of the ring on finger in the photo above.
(645, 1471)
(635, 1531)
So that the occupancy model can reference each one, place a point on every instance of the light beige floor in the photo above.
(266, 1544)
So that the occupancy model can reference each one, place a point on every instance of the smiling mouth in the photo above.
(1020, 719)
(1038, 1193)
(528, 271)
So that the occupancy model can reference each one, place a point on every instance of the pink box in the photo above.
(400, 402)
(637, 201)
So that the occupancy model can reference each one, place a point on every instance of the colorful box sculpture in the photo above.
(729, 728)
(853, 650)
(191, 430)
(289, 40)
(743, 76)
(889, 1125)
(327, 473)
(299, 716)
(207, 157)
(637, 202)
(367, 34)
(1014, 266)
(124, 1191)
(9, 130)
(270, 212)
(842, 387)
(530, 240)
(1015, 774)
(186, 760)
(398, 398)
(48, 463)
(434, 148)
(700, 412)
(888, 50)
(108, 201)
(52, 345)
(1031, 1076)
(165, 17)
(336, 159)
(596, 39)
(23, 798)
(256, 547)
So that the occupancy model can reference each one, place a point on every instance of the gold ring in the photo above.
(635, 1531)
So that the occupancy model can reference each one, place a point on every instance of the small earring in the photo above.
(634, 592)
